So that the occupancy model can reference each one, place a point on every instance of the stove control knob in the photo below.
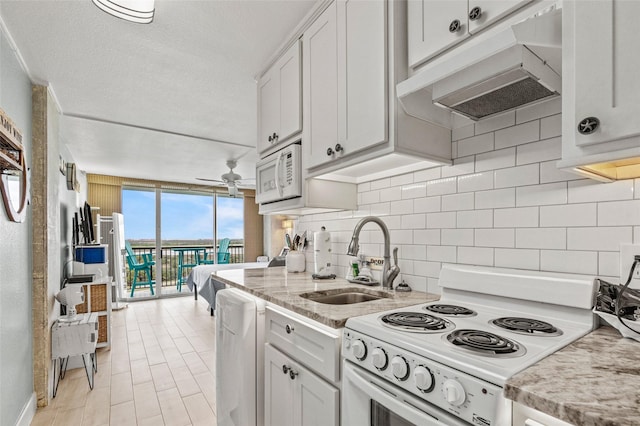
(359, 349)
(379, 358)
(454, 392)
(400, 368)
(423, 378)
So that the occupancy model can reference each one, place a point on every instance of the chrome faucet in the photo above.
(389, 273)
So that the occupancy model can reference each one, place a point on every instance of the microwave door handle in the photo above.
(390, 401)
(279, 187)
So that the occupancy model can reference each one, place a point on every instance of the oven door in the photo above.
(370, 401)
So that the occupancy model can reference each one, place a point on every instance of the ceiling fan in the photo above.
(232, 180)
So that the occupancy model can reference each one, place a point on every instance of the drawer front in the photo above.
(313, 346)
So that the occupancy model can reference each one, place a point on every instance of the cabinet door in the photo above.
(317, 402)
(269, 110)
(362, 75)
(485, 12)
(279, 389)
(320, 82)
(606, 56)
(433, 26)
(290, 90)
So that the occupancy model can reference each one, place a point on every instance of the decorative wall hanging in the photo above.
(14, 173)
(72, 178)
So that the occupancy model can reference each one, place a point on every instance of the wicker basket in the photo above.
(84, 308)
(98, 299)
(103, 330)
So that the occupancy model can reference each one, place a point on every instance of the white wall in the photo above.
(16, 349)
(503, 203)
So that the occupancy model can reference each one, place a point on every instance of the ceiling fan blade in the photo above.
(212, 180)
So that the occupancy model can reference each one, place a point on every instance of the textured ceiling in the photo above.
(171, 100)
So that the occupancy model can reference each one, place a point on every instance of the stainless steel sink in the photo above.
(344, 298)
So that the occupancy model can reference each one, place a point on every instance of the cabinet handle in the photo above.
(292, 374)
(454, 26)
(289, 329)
(588, 125)
(270, 138)
(275, 136)
(285, 369)
(339, 148)
(330, 152)
(475, 13)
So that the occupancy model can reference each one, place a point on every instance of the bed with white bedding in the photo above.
(200, 282)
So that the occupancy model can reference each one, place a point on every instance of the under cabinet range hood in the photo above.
(512, 68)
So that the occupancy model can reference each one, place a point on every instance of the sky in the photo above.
(184, 216)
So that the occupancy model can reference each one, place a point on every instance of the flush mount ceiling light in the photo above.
(140, 11)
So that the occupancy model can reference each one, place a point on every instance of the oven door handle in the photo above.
(390, 400)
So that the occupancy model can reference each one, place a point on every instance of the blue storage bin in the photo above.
(91, 254)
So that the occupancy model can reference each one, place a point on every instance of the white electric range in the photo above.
(446, 362)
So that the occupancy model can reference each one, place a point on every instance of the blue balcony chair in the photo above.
(138, 266)
(223, 254)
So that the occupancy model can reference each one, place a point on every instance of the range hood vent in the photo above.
(513, 68)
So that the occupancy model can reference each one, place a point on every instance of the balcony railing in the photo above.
(170, 261)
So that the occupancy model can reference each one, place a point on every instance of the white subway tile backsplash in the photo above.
(609, 264)
(401, 207)
(619, 213)
(475, 219)
(517, 176)
(475, 145)
(475, 256)
(573, 262)
(636, 235)
(364, 187)
(404, 179)
(517, 258)
(475, 182)
(416, 283)
(454, 150)
(568, 215)
(427, 269)
(426, 236)
(371, 197)
(414, 252)
(551, 126)
(460, 166)
(462, 132)
(494, 238)
(539, 110)
(636, 188)
(519, 217)
(541, 238)
(495, 198)
(441, 186)
(401, 236)
(493, 160)
(406, 266)
(541, 195)
(496, 122)
(441, 254)
(457, 237)
(600, 238)
(441, 220)
(390, 194)
(457, 202)
(414, 190)
(536, 152)
(589, 191)
(414, 221)
(380, 183)
(517, 135)
(381, 209)
(549, 172)
(428, 174)
(426, 205)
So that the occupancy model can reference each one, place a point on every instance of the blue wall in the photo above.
(16, 349)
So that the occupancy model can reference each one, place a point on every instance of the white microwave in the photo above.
(279, 175)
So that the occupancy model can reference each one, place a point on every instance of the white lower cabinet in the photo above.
(294, 396)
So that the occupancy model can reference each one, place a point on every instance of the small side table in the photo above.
(72, 338)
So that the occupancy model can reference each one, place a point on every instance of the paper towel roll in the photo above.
(322, 252)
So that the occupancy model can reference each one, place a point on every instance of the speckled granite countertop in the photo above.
(277, 286)
(594, 381)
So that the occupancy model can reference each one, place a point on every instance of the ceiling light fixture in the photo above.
(140, 11)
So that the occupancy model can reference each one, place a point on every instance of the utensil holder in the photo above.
(295, 261)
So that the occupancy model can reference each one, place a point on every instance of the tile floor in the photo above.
(160, 371)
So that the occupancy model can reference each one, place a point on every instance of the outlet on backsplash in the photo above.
(627, 253)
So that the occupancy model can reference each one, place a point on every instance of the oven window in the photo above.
(382, 416)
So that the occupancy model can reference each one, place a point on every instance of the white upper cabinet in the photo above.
(279, 113)
(354, 54)
(601, 90)
(320, 70)
(435, 26)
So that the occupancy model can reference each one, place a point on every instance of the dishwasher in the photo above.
(239, 358)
